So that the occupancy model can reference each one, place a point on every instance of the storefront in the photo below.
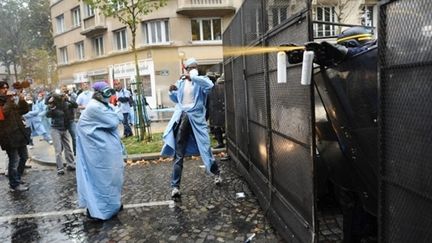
(125, 73)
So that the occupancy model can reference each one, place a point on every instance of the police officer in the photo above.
(350, 42)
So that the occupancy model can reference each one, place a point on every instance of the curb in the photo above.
(132, 157)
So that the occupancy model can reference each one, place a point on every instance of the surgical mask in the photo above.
(193, 73)
(40, 98)
(16, 99)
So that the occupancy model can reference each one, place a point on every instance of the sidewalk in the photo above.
(44, 154)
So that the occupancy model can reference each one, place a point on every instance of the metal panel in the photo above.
(275, 155)
(252, 21)
(257, 99)
(405, 121)
(292, 170)
(290, 102)
(258, 147)
(240, 105)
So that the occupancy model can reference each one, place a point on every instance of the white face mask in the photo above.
(40, 98)
(193, 73)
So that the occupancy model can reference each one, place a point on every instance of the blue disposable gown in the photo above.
(33, 119)
(42, 109)
(199, 141)
(99, 161)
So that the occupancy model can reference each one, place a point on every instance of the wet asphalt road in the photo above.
(48, 212)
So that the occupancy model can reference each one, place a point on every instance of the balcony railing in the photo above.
(93, 26)
(196, 8)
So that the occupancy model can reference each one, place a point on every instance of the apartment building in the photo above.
(349, 12)
(92, 47)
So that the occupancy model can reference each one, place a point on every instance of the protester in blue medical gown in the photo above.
(99, 161)
(187, 132)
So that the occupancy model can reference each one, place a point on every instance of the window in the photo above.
(63, 55)
(206, 29)
(98, 46)
(88, 10)
(326, 14)
(156, 32)
(118, 5)
(79, 47)
(279, 15)
(120, 39)
(60, 24)
(76, 17)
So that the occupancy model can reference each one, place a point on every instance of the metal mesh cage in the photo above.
(405, 115)
(276, 154)
(252, 21)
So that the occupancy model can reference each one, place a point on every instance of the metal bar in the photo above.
(340, 24)
(406, 188)
(408, 65)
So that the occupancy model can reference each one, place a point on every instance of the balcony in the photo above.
(93, 26)
(205, 8)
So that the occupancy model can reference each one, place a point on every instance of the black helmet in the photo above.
(354, 37)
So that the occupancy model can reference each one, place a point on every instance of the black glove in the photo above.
(172, 87)
(123, 99)
(295, 56)
(327, 54)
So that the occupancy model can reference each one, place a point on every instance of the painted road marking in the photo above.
(170, 203)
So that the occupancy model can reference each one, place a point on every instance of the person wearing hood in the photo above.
(187, 132)
(99, 161)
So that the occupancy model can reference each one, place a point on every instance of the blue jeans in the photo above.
(182, 132)
(17, 160)
(127, 129)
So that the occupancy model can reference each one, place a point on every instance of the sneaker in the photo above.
(175, 192)
(218, 179)
(30, 146)
(19, 188)
(70, 168)
(50, 142)
(60, 172)
(27, 166)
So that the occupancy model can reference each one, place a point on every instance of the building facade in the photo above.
(92, 47)
(349, 12)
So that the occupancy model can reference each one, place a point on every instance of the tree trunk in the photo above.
(142, 124)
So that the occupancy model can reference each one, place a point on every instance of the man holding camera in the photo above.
(13, 135)
(61, 112)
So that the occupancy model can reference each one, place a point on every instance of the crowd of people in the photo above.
(83, 129)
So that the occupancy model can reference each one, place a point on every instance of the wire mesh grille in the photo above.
(406, 45)
(240, 93)
(406, 104)
(257, 99)
(256, 94)
(252, 21)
